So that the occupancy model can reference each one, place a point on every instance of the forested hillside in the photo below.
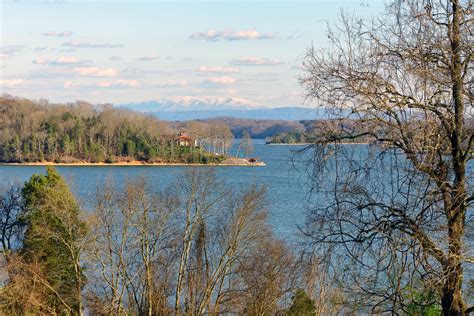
(257, 128)
(33, 131)
(314, 129)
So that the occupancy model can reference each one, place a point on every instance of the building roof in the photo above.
(184, 137)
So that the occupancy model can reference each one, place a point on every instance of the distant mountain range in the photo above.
(192, 108)
(188, 103)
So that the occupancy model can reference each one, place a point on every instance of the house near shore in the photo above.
(182, 139)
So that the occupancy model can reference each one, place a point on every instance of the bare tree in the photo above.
(199, 193)
(232, 236)
(397, 211)
(12, 219)
(128, 250)
(246, 144)
(265, 277)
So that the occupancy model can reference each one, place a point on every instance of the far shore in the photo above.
(292, 144)
(123, 163)
(305, 144)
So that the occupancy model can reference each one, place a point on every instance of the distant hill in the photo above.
(193, 108)
(239, 114)
(258, 128)
(287, 113)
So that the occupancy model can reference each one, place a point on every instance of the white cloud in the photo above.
(96, 71)
(171, 84)
(255, 61)
(148, 58)
(218, 69)
(58, 34)
(90, 45)
(11, 83)
(231, 35)
(220, 80)
(61, 61)
(69, 85)
(9, 51)
(122, 83)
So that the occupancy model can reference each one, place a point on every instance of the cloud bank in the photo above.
(60, 61)
(255, 61)
(58, 34)
(11, 83)
(231, 35)
(114, 84)
(75, 44)
(122, 83)
(220, 80)
(9, 51)
(171, 84)
(217, 70)
(148, 58)
(96, 72)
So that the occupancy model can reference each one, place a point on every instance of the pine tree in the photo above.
(54, 238)
(302, 305)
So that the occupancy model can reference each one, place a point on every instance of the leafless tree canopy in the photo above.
(394, 214)
(195, 248)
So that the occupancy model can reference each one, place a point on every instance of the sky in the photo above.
(133, 51)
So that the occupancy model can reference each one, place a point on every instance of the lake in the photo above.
(285, 180)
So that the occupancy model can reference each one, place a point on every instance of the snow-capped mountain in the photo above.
(189, 103)
(186, 108)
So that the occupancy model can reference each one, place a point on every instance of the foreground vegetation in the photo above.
(35, 131)
(195, 248)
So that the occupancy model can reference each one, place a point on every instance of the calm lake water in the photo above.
(286, 181)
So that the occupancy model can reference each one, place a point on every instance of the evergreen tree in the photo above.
(54, 237)
(302, 305)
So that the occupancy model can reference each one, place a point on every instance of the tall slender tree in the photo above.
(398, 211)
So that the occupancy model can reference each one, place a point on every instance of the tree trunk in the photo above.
(452, 302)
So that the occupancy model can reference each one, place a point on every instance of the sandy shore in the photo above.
(131, 163)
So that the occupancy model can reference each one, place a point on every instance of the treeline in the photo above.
(32, 131)
(291, 138)
(257, 128)
(195, 248)
(318, 129)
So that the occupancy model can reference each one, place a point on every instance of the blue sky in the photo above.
(133, 51)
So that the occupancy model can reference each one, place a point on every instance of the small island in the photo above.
(75, 134)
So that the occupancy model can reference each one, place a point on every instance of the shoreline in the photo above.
(305, 144)
(125, 164)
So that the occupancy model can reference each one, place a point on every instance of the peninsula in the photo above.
(79, 133)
